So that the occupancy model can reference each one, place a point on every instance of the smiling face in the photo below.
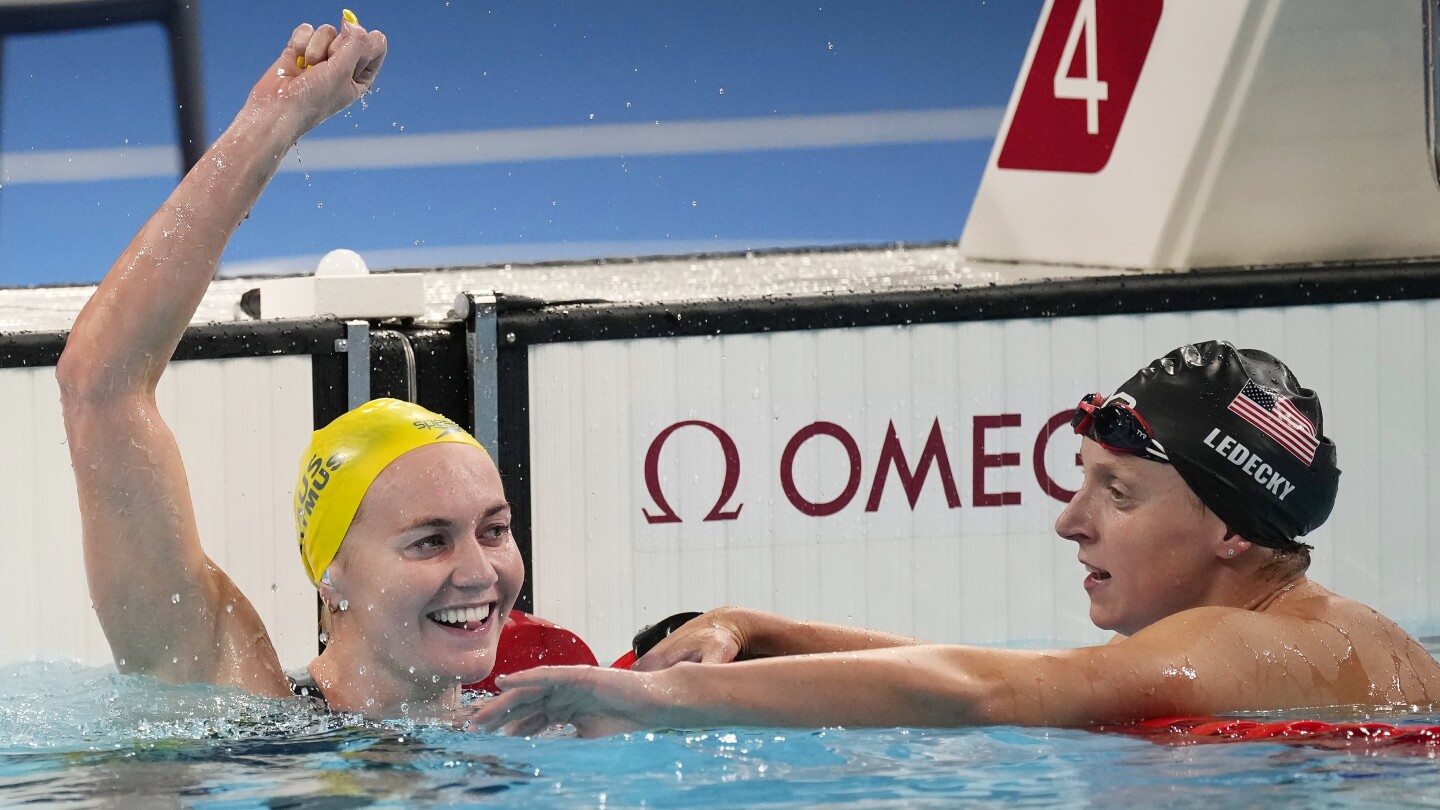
(429, 569)
(1150, 546)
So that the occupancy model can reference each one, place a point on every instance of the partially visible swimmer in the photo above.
(400, 514)
(1199, 474)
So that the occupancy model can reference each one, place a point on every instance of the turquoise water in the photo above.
(90, 737)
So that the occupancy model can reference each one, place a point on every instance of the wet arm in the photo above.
(928, 685)
(776, 635)
(1198, 664)
(1201, 662)
(731, 633)
(925, 685)
(160, 600)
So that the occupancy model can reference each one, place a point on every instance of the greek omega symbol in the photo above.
(727, 489)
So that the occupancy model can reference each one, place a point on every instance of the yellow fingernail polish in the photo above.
(300, 62)
(350, 16)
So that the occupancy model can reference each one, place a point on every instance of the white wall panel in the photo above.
(241, 425)
(968, 574)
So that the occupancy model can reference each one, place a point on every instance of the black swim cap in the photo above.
(1243, 433)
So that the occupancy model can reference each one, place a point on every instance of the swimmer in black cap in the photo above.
(1201, 472)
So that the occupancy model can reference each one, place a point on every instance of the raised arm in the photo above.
(166, 609)
(737, 634)
(1201, 662)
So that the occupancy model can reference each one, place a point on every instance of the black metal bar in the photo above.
(1109, 295)
(514, 390)
(389, 369)
(183, 25)
(208, 342)
(40, 16)
(181, 19)
(442, 384)
(329, 398)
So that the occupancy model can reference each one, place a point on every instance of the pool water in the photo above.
(89, 737)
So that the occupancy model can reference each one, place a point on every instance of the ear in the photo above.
(329, 594)
(1232, 545)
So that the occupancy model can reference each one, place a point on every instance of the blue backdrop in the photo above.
(859, 122)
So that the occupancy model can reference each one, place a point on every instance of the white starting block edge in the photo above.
(1260, 133)
(343, 287)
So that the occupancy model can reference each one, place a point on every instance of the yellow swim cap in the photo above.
(345, 457)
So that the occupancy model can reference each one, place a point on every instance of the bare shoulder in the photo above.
(1308, 648)
(1400, 669)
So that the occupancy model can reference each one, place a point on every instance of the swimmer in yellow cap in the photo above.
(396, 508)
(400, 510)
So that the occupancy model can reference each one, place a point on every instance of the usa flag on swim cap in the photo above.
(1277, 418)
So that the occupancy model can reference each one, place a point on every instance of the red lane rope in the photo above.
(1197, 730)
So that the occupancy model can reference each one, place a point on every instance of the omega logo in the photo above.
(727, 489)
(934, 456)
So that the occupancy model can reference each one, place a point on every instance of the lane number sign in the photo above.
(1079, 86)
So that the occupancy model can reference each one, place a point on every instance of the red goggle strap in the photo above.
(1089, 404)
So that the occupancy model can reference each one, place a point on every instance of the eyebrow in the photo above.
(444, 523)
(1109, 471)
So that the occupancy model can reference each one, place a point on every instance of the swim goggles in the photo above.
(1116, 427)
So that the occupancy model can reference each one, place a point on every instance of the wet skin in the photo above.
(432, 533)
(166, 608)
(1201, 631)
(1150, 546)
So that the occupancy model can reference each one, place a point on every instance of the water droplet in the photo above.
(434, 678)
(370, 606)
(344, 604)
(320, 205)
(174, 598)
(722, 91)
(230, 608)
(412, 670)
(362, 670)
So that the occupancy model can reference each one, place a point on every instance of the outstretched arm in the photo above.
(166, 609)
(737, 634)
(1201, 662)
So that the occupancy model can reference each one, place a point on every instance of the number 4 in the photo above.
(1087, 88)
